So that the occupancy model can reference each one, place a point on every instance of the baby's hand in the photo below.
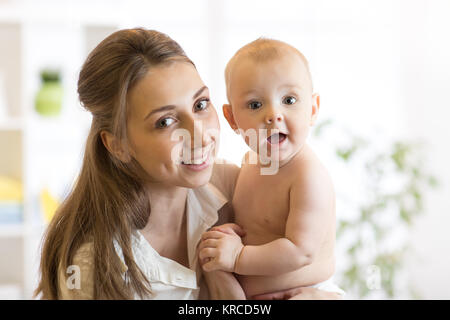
(220, 247)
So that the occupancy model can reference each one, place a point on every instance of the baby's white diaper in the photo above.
(329, 286)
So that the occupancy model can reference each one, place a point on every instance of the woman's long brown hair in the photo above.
(108, 202)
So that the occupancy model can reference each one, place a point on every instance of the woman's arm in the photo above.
(223, 286)
(301, 293)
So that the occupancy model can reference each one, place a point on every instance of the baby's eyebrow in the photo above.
(249, 91)
(292, 86)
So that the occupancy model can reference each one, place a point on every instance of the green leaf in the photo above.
(318, 130)
(405, 215)
(433, 182)
(399, 154)
(346, 153)
(341, 228)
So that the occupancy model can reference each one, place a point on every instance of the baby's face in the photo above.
(275, 94)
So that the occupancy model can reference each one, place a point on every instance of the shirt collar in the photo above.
(209, 199)
(202, 208)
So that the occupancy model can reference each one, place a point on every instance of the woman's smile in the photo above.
(201, 163)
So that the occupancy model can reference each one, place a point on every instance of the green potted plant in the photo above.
(380, 193)
(49, 98)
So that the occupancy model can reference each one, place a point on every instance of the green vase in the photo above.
(49, 98)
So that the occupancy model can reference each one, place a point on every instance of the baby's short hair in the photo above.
(260, 50)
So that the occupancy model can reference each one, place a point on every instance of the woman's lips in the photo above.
(198, 165)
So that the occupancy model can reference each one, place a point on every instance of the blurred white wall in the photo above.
(425, 72)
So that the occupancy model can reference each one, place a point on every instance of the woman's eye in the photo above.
(163, 123)
(201, 105)
(289, 100)
(254, 105)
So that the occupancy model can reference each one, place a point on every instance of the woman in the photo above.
(131, 225)
(126, 222)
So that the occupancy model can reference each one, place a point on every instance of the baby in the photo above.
(288, 214)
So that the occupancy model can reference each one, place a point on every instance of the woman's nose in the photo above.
(199, 136)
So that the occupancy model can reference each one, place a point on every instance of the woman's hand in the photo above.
(220, 247)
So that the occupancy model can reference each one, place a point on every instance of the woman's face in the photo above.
(172, 126)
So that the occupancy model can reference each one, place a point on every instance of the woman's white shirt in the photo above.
(168, 278)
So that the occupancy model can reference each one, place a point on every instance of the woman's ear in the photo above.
(315, 108)
(113, 146)
(228, 113)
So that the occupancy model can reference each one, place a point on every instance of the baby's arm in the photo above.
(310, 213)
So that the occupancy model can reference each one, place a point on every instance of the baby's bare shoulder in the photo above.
(312, 189)
(310, 172)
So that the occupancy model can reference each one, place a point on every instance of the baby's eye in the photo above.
(289, 100)
(164, 123)
(254, 105)
(201, 105)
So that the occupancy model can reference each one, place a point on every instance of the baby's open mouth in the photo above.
(276, 138)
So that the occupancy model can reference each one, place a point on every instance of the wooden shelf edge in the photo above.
(10, 124)
(18, 230)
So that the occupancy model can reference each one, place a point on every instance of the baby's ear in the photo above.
(228, 113)
(315, 108)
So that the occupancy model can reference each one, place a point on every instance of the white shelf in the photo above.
(43, 153)
(11, 124)
(12, 230)
(11, 291)
(19, 230)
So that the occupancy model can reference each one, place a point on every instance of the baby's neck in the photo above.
(285, 163)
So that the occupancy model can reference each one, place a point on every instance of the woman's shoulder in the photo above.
(84, 253)
(77, 281)
(224, 176)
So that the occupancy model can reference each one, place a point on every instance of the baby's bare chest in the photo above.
(261, 206)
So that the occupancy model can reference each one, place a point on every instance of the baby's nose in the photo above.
(272, 117)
